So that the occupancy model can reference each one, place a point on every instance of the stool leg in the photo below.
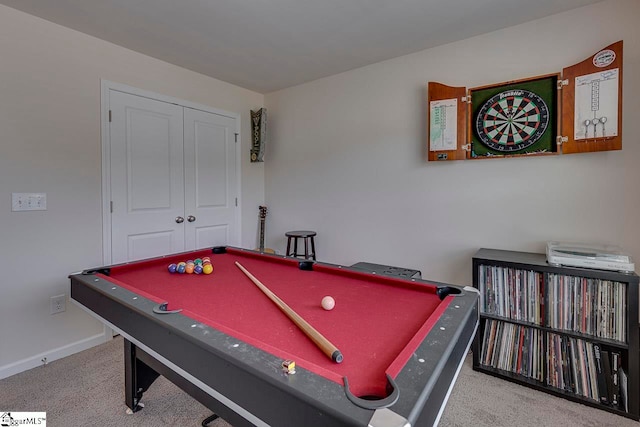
(313, 248)
(288, 246)
(306, 248)
(295, 246)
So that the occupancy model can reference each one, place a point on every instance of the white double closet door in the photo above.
(172, 178)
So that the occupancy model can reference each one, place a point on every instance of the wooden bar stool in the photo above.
(308, 239)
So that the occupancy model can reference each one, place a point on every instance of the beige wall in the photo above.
(347, 156)
(50, 142)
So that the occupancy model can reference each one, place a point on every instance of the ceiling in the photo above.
(266, 45)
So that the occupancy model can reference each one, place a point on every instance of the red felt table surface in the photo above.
(377, 322)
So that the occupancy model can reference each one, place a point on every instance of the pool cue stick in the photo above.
(324, 344)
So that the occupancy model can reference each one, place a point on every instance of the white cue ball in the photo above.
(328, 303)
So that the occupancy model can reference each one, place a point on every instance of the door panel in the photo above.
(210, 179)
(148, 154)
(216, 235)
(210, 165)
(148, 245)
(147, 177)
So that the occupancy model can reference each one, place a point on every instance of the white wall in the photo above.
(347, 156)
(50, 142)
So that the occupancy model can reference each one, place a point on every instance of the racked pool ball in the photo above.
(181, 267)
(207, 269)
(172, 268)
(197, 269)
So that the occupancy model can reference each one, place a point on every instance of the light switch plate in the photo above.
(28, 202)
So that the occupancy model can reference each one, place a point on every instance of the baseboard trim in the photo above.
(54, 354)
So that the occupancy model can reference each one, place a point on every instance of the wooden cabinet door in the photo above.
(592, 103)
(446, 118)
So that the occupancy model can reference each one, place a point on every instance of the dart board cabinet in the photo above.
(576, 111)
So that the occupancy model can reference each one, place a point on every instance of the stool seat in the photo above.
(307, 237)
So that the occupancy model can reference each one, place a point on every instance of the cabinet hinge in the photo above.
(109, 116)
(562, 83)
(466, 98)
(466, 147)
(561, 139)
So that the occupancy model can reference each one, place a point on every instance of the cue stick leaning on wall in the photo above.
(324, 344)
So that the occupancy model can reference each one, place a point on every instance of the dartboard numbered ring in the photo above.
(512, 120)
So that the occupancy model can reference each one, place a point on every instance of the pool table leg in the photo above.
(138, 376)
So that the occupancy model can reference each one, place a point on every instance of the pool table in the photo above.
(222, 340)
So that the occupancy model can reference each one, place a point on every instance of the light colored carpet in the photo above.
(87, 389)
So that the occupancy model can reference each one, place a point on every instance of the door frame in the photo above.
(106, 87)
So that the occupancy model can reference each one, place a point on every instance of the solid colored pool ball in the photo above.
(328, 303)
(207, 269)
(172, 268)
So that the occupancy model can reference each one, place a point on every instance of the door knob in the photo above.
(179, 220)
(191, 218)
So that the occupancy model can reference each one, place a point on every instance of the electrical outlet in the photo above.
(58, 304)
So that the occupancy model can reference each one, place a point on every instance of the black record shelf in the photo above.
(578, 358)
(605, 341)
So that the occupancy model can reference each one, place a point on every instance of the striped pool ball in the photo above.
(172, 268)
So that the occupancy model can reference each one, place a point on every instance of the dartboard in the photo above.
(512, 120)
